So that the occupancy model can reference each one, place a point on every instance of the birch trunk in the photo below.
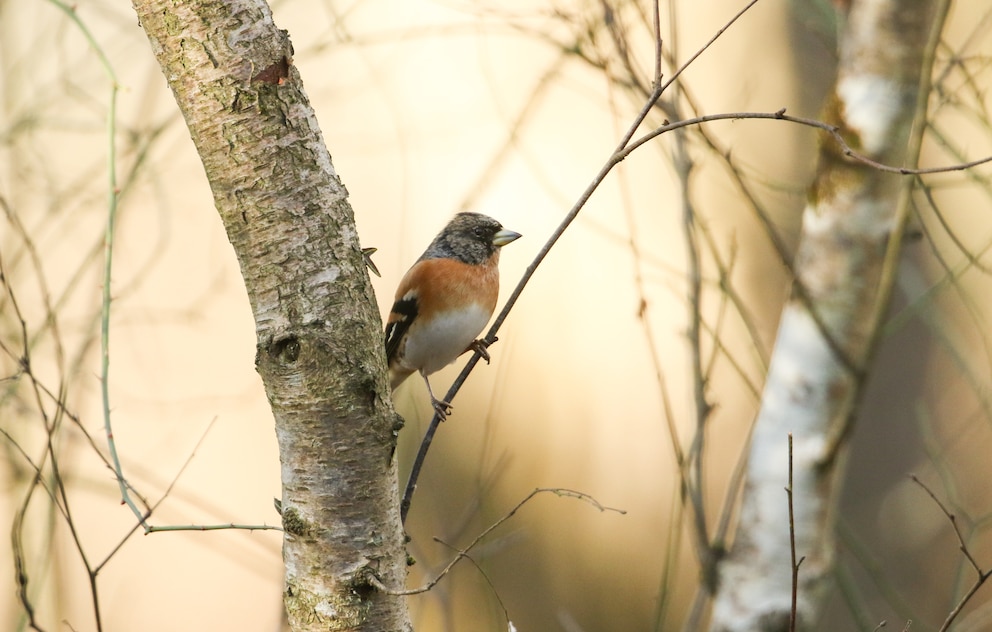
(844, 270)
(319, 350)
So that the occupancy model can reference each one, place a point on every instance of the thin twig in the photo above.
(954, 524)
(683, 166)
(832, 130)
(148, 528)
(981, 576)
(711, 41)
(972, 258)
(212, 527)
(792, 547)
(17, 528)
(108, 249)
(485, 576)
(557, 491)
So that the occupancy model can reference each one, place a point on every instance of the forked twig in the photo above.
(462, 553)
(981, 576)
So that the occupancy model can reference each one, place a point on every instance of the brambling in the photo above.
(445, 300)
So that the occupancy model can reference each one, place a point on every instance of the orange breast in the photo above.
(452, 285)
(454, 301)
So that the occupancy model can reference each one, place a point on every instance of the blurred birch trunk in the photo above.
(319, 351)
(843, 275)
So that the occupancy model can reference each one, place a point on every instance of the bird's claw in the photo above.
(481, 346)
(441, 408)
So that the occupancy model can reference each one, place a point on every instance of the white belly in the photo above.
(441, 342)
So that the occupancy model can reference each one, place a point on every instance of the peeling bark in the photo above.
(851, 232)
(320, 352)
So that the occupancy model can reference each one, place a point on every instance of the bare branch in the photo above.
(981, 576)
(557, 491)
(832, 130)
(622, 150)
(954, 525)
(792, 545)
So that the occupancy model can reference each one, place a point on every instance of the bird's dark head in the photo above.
(471, 238)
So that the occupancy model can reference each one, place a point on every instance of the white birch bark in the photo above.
(843, 271)
(320, 352)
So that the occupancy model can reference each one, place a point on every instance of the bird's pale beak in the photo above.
(504, 237)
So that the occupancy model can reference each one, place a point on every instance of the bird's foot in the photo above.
(481, 347)
(441, 408)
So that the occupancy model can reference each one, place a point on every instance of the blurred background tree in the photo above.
(507, 109)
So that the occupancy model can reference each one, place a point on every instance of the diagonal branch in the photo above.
(623, 149)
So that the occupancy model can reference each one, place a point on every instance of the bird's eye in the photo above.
(480, 232)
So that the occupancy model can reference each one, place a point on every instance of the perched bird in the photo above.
(445, 300)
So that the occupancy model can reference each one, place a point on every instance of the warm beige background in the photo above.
(418, 102)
